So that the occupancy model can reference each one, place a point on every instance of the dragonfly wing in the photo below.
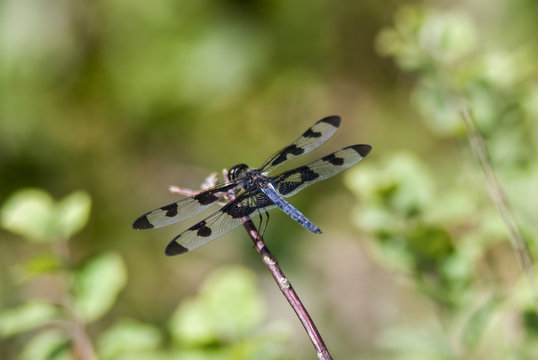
(311, 139)
(182, 209)
(293, 181)
(219, 223)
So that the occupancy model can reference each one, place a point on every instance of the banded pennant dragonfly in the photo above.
(256, 192)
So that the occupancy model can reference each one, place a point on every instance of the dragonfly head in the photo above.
(238, 171)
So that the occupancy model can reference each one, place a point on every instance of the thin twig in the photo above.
(82, 345)
(288, 291)
(284, 284)
(498, 197)
(271, 263)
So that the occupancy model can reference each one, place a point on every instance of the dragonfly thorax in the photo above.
(248, 178)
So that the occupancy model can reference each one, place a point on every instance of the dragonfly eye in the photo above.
(238, 171)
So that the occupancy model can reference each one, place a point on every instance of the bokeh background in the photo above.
(105, 104)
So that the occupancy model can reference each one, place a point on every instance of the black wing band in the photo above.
(219, 223)
(293, 181)
(182, 209)
(311, 139)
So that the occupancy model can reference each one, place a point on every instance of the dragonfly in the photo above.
(256, 192)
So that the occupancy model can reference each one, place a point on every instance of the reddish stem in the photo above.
(288, 291)
(271, 263)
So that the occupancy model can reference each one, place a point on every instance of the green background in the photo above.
(105, 104)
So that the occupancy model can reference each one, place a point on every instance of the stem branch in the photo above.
(288, 291)
(498, 196)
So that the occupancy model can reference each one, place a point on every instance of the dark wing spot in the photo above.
(209, 197)
(174, 248)
(362, 149)
(142, 223)
(205, 198)
(285, 188)
(333, 120)
(283, 156)
(311, 134)
(334, 160)
(261, 201)
(201, 229)
(237, 210)
(246, 205)
(306, 174)
(171, 210)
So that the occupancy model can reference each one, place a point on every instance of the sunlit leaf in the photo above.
(33, 214)
(28, 213)
(426, 342)
(452, 204)
(439, 109)
(203, 354)
(233, 299)
(476, 325)
(72, 213)
(128, 338)
(48, 345)
(458, 269)
(97, 284)
(38, 265)
(403, 184)
(229, 305)
(27, 317)
(375, 218)
(191, 324)
(447, 36)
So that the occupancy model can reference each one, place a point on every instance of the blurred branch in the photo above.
(497, 194)
(82, 345)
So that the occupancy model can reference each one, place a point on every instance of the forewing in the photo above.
(293, 181)
(219, 223)
(182, 209)
(311, 139)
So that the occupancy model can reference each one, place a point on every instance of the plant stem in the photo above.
(288, 291)
(271, 263)
(82, 344)
(496, 192)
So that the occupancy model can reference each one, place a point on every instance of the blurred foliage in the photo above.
(441, 230)
(123, 99)
(31, 213)
(224, 321)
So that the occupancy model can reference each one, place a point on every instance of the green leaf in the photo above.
(36, 266)
(33, 214)
(429, 245)
(439, 110)
(402, 184)
(97, 285)
(126, 338)
(428, 341)
(530, 320)
(48, 345)
(26, 317)
(28, 213)
(232, 297)
(191, 324)
(474, 328)
(72, 213)
(447, 36)
(228, 306)
(204, 354)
